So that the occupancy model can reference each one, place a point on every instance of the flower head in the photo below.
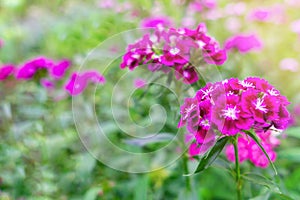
(6, 71)
(177, 49)
(243, 43)
(233, 106)
(78, 82)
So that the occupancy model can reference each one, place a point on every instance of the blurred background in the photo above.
(41, 154)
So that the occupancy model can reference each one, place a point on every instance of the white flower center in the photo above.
(205, 123)
(273, 92)
(246, 84)
(136, 56)
(188, 110)
(230, 113)
(207, 92)
(260, 106)
(174, 51)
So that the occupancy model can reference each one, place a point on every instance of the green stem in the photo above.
(186, 171)
(237, 168)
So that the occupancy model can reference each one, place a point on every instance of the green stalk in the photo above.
(237, 168)
(186, 171)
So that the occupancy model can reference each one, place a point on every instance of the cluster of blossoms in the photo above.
(231, 107)
(48, 72)
(179, 49)
(29, 69)
(249, 150)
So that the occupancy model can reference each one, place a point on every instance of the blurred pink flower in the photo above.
(139, 83)
(295, 26)
(209, 3)
(232, 9)
(6, 70)
(244, 43)
(1, 43)
(152, 22)
(58, 70)
(292, 3)
(188, 21)
(46, 83)
(274, 14)
(249, 150)
(260, 15)
(78, 82)
(199, 5)
(289, 64)
(29, 68)
(106, 3)
(233, 24)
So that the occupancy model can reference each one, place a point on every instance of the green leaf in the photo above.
(212, 155)
(293, 131)
(261, 180)
(256, 139)
(92, 193)
(141, 188)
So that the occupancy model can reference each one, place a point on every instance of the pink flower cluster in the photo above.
(249, 150)
(49, 72)
(29, 69)
(174, 48)
(231, 107)
(55, 69)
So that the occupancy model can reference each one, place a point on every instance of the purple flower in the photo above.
(139, 83)
(46, 83)
(243, 43)
(1, 43)
(260, 15)
(231, 107)
(29, 68)
(174, 48)
(249, 150)
(6, 70)
(78, 82)
(58, 70)
(153, 22)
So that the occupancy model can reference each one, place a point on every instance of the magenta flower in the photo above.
(46, 83)
(139, 83)
(260, 15)
(289, 64)
(153, 22)
(174, 49)
(243, 43)
(78, 82)
(29, 68)
(295, 26)
(6, 70)
(233, 106)
(58, 70)
(249, 150)
(1, 43)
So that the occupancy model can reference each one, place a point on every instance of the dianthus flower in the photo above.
(174, 48)
(6, 70)
(231, 107)
(56, 70)
(249, 150)
(78, 82)
(29, 68)
(243, 43)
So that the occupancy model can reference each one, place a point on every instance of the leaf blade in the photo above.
(256, 140)
(212, 155)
